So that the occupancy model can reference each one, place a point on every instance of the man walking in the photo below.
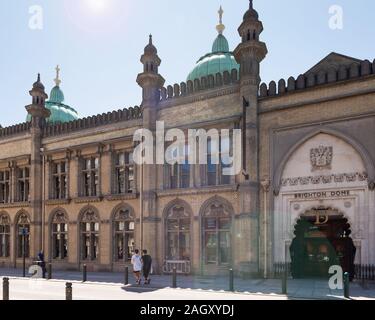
(147, 265)
(137, 266)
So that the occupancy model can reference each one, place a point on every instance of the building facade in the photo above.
(306, 187)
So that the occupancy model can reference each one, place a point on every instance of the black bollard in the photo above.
(174, 278)
(68, 291)
(84, 273)
(231, 280)
(346, 285)
(5, 288)
(49, 271)
(284, 288)
(126, 276)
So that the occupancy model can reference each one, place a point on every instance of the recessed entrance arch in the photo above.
(322, 239)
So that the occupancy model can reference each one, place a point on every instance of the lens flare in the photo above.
(97, 5)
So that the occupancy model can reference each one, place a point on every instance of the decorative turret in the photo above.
(150, 80)
(251, 51)
(60, 112)
(37, 109)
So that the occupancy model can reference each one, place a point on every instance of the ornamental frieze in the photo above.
(325, 179)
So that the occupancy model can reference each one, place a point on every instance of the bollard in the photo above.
(284, 283)
(49, 271)
(68, 291)
(5, 288)
(84, 275)
(126, 276)
(174, 278)
(231, 280)
(346, 285)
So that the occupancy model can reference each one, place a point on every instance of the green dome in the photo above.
(56, 95)
(60, 112)
(218, 61)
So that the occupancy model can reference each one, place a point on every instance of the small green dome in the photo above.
(56, 95)
(218, 61)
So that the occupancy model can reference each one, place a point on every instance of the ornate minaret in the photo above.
(39, 113)
(151, 82)
(249, 53)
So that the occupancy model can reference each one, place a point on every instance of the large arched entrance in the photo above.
(322, 239)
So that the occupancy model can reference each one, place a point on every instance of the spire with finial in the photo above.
(220, 27)
(251, 4)
(57, 80)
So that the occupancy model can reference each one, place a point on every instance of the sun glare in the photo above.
(97, 5)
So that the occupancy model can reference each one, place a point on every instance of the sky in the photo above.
(98, 44)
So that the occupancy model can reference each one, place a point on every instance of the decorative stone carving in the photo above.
(325, 179)
(123, 214)
(321, 158)
(60, 217)
(90, 216)
(4, 220)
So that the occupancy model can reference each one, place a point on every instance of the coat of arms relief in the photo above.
(321, 158)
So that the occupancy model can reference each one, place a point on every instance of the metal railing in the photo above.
(279, 269)
(181, 266)
(364, 272)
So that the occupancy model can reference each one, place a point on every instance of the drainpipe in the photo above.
(141, 203)
(265, 186)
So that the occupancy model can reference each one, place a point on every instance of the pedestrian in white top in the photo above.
(137, 266)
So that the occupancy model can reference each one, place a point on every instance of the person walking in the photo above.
(147, 265)
(42, 263)
(136, 261)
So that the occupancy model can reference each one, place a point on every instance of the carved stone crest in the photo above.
(321, 158)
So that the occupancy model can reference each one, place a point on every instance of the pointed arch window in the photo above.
(124, 241)
(178, 223)
(216, 235)
(89, 228)
(60, 236)
(23, 230)
(4, 236)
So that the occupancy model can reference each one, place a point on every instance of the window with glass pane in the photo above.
(217, 235)
(225, 152)
(179, 173)
(90, 236)
(124, 173)
(178, 234)
(211, 165)
(90, 174)
(4, 236)
(59, 180)
(4, 187)
(23, 241)
(60, 236)
(23, 184)
(124, 243)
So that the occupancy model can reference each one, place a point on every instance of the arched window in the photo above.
(123, 225)
(178, 234)
(216, 235)
(23, 235)
(90, 235)
(59, 236)
(4, 236)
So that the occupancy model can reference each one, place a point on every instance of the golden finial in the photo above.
(220, 27)
(57, 80)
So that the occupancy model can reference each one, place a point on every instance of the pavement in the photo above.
(105, 285)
